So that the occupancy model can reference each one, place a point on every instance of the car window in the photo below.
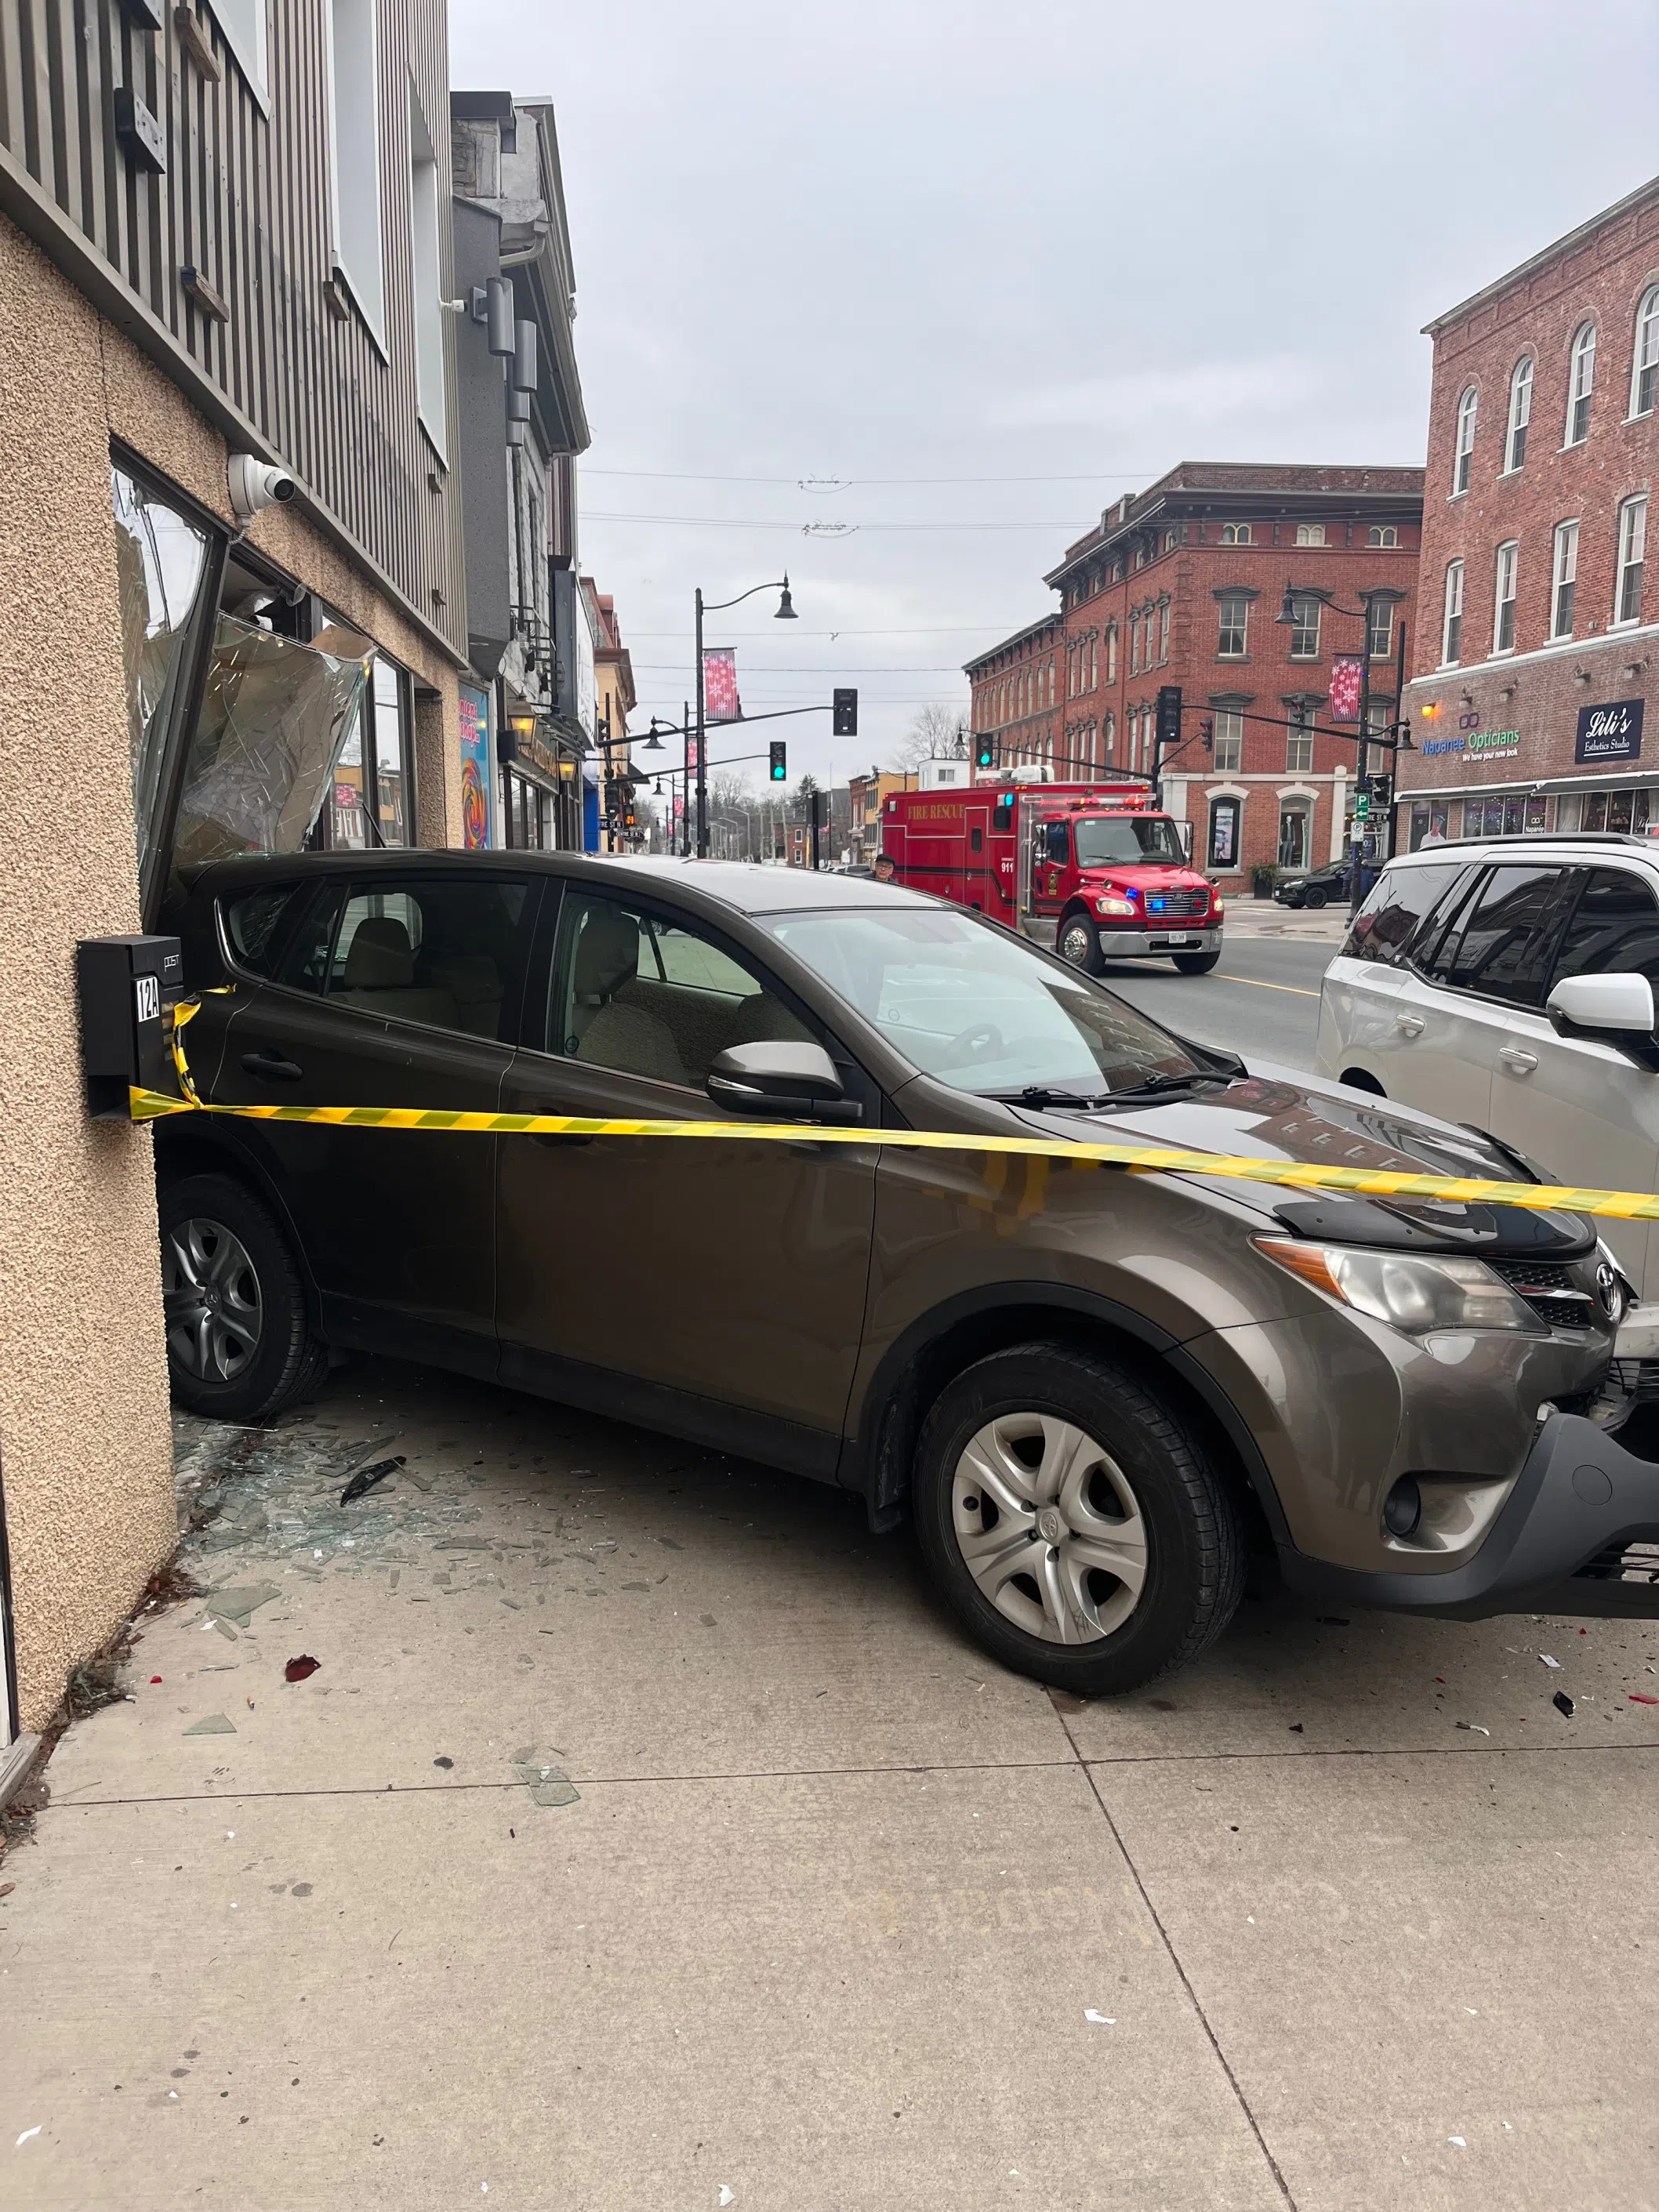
(1614, 928)
(251, 921)
(978, 1007)
(439, 952)
(1400, 901)
(633, 991)
(1504, 946)
(1434, 949)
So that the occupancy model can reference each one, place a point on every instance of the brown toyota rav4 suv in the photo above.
(1095, 1391)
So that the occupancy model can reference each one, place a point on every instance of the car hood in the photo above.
(1276, 1114)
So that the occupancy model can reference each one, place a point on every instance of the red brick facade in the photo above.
(1184, 586)
(1498, 697)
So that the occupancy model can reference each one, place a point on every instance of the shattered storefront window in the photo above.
(161, 560)
(273, 722)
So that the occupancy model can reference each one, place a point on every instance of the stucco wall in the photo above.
(84, 1437)
(85, 1441)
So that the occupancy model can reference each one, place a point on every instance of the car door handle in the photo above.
(1523, 1062)
(271, 1068)
(1409, 1024)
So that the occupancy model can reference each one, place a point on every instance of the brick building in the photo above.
(1534, 667)
(1183, 585)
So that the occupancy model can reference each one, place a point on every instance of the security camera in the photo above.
(254, 484)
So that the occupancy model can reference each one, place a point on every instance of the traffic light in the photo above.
(985, 750)
(780, 768)
(1380, 788)
(1167, 727)
(844, 714)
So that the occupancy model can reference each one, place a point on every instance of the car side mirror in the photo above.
(776, 1078)
(1616, 1009)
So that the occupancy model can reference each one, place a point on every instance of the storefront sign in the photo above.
(476, 779)
(1612, 733)
(1442, 745)
(1496, 745)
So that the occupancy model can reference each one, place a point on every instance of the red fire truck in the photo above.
(1092, 871)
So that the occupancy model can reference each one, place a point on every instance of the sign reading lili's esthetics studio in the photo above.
(1612, 733)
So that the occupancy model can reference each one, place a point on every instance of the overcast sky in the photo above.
(1057, 247)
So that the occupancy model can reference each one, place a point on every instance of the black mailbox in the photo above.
(128, 989)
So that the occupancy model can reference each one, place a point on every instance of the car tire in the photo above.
(1090, 1433)
(1314, 896)
(245, 1352)
(1079, 944)
(1196, 964)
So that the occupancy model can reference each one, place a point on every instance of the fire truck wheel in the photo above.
(1196, 964)
(1079, 944)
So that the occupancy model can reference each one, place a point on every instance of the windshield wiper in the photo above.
(1161, 1081)
(1039, 1094)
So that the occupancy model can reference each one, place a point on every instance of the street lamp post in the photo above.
(786, 613)
(1287, 613)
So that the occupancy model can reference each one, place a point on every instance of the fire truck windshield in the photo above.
(1105, 841)
(978, 1007)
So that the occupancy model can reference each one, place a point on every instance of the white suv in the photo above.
(1507, 983)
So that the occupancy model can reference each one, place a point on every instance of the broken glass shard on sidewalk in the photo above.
(548, 1783)
(240, 1606)
(215, 1724)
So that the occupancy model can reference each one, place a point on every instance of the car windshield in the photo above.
(978, 1008)
(1108, 840)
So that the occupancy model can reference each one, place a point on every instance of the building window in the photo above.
(1293, 816)
(1134, 645)
(1502, 625)
(1140, 556)
(1094, 662)
(1304, 631)
(1229, 741)
(1234, 626)
(1223, 843)
(1632, 540)
(1310, 533)
(1382, 534)
(1235, 533)
(1451, 634)
(1644, 362)
(424, 275)
(1581, 382)
(243, 24)
(1566, 579)
(369, 801)
(1515, 449)
(354, 156)
(1110, 724)
(1164, 632)
(1379, 627)
(1299, 742)
(1111, 653)
(1464, 461)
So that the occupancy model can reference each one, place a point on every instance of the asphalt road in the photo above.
(1262, 1001)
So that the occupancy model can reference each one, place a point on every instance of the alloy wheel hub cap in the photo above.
(1051, 1524)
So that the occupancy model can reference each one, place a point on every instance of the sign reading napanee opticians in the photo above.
(1612, 733)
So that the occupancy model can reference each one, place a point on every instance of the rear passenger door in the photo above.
(1580, 1108)
(393, 989)
(724, 1280)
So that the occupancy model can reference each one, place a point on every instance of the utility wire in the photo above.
(809, 483)
(816, 530)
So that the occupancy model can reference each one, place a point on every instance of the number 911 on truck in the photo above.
(1095, 871)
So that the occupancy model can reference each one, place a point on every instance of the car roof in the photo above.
(1568, 843)
(743, 885)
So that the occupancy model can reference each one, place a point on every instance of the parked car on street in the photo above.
(1508, 983)
(1326, 886)
(1095, 1392)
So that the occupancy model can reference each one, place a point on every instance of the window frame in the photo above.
(1451, 619)
(1506, 568)
(1563, 557)
(1230, 801)
(1299, 735)
(1632, 524)
(1300, 601)
(1310, 533)
(1234, 738)
(1581, 384)
(1382, 538)
(1379, 606)
(246, 29)
(1235, 533)
(1520, 415)
(1644, 355)
(1468, 408)
(426, 281)
(365, 285)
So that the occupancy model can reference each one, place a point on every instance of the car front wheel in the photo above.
(1072, 1524)
(1314, 896)
(240, 1346)
(1079, 944)
(1196, 964)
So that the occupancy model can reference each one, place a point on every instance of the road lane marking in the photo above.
(1297, 989)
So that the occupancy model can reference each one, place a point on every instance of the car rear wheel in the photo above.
(1079, 944)
(240, 1346)
(1196, 964)
(1314, 896)
(1072, 1524)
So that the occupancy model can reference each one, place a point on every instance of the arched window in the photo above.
(1383, 533)
(1581, 382)
(1644, 361)
(1235, 533)
(1515, 448)
(1464, 460)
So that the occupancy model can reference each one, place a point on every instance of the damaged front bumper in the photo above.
(1578, 1534)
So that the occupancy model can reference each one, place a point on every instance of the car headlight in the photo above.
(1414, 1294)
(1109, 902)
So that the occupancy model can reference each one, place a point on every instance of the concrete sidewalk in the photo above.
(1248, 917)
(644, 1835)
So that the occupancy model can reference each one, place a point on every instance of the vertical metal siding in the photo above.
(244, 199)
